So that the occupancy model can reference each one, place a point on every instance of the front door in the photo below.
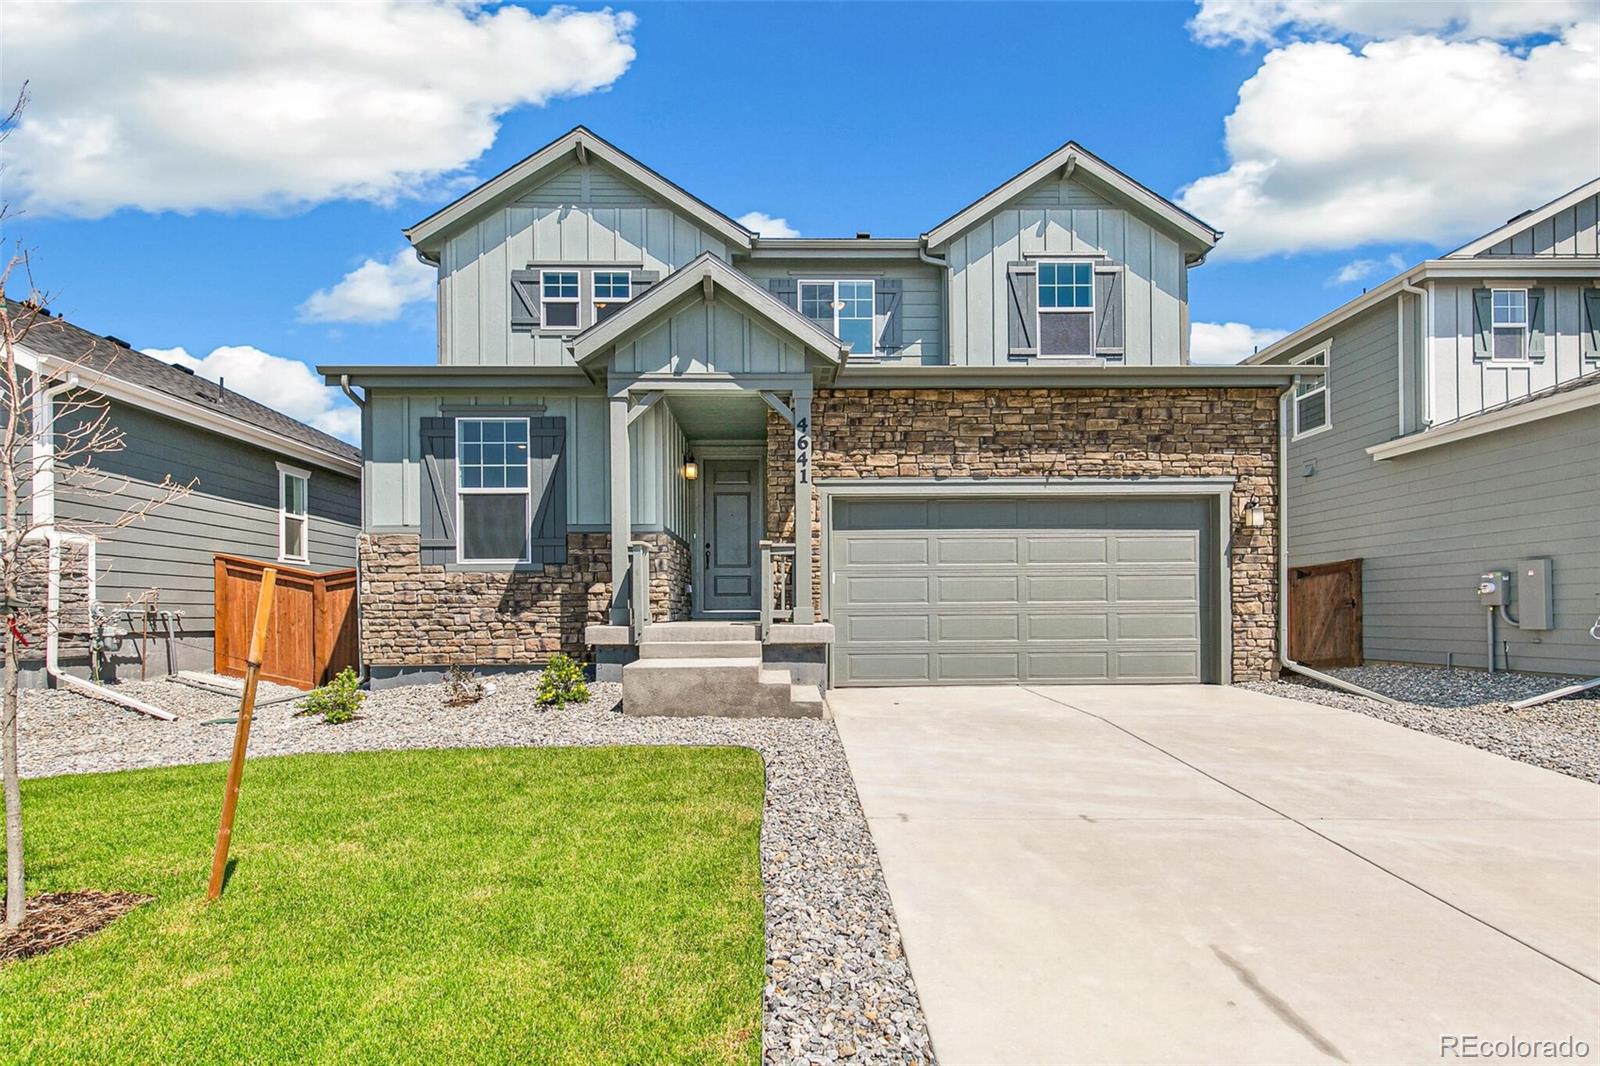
(732, 510)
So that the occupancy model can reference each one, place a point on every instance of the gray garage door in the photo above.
(953, 591)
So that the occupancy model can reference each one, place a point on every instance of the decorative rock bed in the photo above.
(837, 983)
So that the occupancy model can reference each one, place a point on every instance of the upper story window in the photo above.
(1311, 397)
(1510, 328)
(558, 291)
(492, 489)
(1066, 308)
(294, 487)
(844, 309)
(612, 289)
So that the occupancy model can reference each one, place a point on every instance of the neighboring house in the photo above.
(1005, 468)
(265, 486)
(1457, 432)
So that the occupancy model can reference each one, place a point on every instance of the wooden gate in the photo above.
(313, 631)
(1325, 614)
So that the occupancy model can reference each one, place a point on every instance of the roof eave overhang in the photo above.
(1490, 422)
(859, 375)
(404, 376)
(1532, 218)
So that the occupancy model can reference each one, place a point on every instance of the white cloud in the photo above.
(767, 226)
(373, 291)
(1221, 22)
(1418, 139)
(187, 107)
(287, 385)
(1220, 343)
(1362, 269)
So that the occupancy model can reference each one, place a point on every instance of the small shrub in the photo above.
(338, 700)
(461, 687)
(562, 682)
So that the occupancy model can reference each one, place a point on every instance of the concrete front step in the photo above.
(700, 649)
(707, 685)
(663, 632)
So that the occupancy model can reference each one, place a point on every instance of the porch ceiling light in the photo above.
(1255, 515)
(691, 469)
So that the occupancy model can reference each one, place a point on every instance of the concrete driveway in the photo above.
(1201, 874)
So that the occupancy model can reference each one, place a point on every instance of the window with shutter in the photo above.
(1066, 308)
(844, 309)
(1508, 338)
(492, 490)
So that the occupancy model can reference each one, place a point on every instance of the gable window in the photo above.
(492, 489)
(1311, 397)
(1066, 308)
(844, 309)
(612, 289)
(558, 290)
(1510, 329)
(293, 535)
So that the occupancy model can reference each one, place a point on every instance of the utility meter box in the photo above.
(1492, 588)
(1535, 600)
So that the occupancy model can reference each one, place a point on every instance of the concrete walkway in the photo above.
(1201, 874)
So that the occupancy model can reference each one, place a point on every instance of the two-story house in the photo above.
(1004, 468)
(1456, 434)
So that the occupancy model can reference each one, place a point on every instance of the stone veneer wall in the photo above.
(415, 615)
(73, 621)
(1001, 433)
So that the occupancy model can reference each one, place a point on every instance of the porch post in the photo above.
(621, 500)
(803, 562)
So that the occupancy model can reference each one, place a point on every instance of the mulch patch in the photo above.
(56, 919)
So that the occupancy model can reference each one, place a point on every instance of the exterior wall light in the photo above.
(1255, 515)
(691, 469)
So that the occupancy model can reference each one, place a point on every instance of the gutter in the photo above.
(1424, 360)
(344, 386)
(1283, 570)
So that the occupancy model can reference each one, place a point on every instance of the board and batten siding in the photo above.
(700, 336)
(232, 509)
(1571, 231)
(1064, 218)
(921, 299)
(394, 449)
(584, 214)
(1425, 525)
(1464, 385)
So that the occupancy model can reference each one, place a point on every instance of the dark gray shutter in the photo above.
(887, 296)
(1482, 323)
(642, 280)
(1591, 328)
(524, 301)
(438, 491)
(1108, 312)
(1022, 308)
(547, 489)
(1536, 324)
(785, 289)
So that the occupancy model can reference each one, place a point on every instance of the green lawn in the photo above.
(546, 905)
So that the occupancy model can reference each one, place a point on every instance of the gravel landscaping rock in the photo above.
(837, 984)
(1470, 707)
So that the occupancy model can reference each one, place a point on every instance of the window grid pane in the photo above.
(1066, 286)
(560, 285)
(609, 286)
(816, 303)
(492, 453)
(294, 494)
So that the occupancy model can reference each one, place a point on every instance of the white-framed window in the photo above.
(1508, 334)
(612, 289)
(1066, 308)
(558, 298)
(294, 531)
(844, 309)
(1311, 397)
(492, 490)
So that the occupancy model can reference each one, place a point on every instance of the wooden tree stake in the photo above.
(241, 734)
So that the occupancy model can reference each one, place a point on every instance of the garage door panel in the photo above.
(1157, 588)
(1006, 627)
(1068, 588)
(1061, 549)
(1176, 625)
(902, 668)
(878, 590)
(888, 628)
(1068, 665)
(953, 551)
(1166, 664)
(978, 588)
(978, 666)
(1154, 549)
(1094, 626)
(885, 551)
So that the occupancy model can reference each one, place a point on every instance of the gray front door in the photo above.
(732, 512)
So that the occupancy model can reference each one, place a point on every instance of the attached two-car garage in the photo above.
(957, 588)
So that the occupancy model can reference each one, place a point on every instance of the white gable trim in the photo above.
(584, 145)
(1076, 156)
(1527, 221)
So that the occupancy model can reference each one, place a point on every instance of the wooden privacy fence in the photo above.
(313, 630)
(1325, 614)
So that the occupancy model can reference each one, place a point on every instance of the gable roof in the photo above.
(54, 339)
(709, 273)
(1527, 220)
(1078, 157)
(582, 143)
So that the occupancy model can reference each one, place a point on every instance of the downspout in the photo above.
(344, 386)
(1400, 345)
(1283, 568)
(944, 296)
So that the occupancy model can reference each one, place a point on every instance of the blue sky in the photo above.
(837, 118)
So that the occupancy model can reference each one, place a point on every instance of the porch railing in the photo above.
(777, 584)
(639, 586)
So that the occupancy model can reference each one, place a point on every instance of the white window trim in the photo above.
(1039, 311)
(526, 490)
(872, 299)
(576, 301)
(285, 471)
(1321, 386)
(594, 299)
(1526, 359)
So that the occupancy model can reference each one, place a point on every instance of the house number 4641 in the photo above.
(802, 450)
